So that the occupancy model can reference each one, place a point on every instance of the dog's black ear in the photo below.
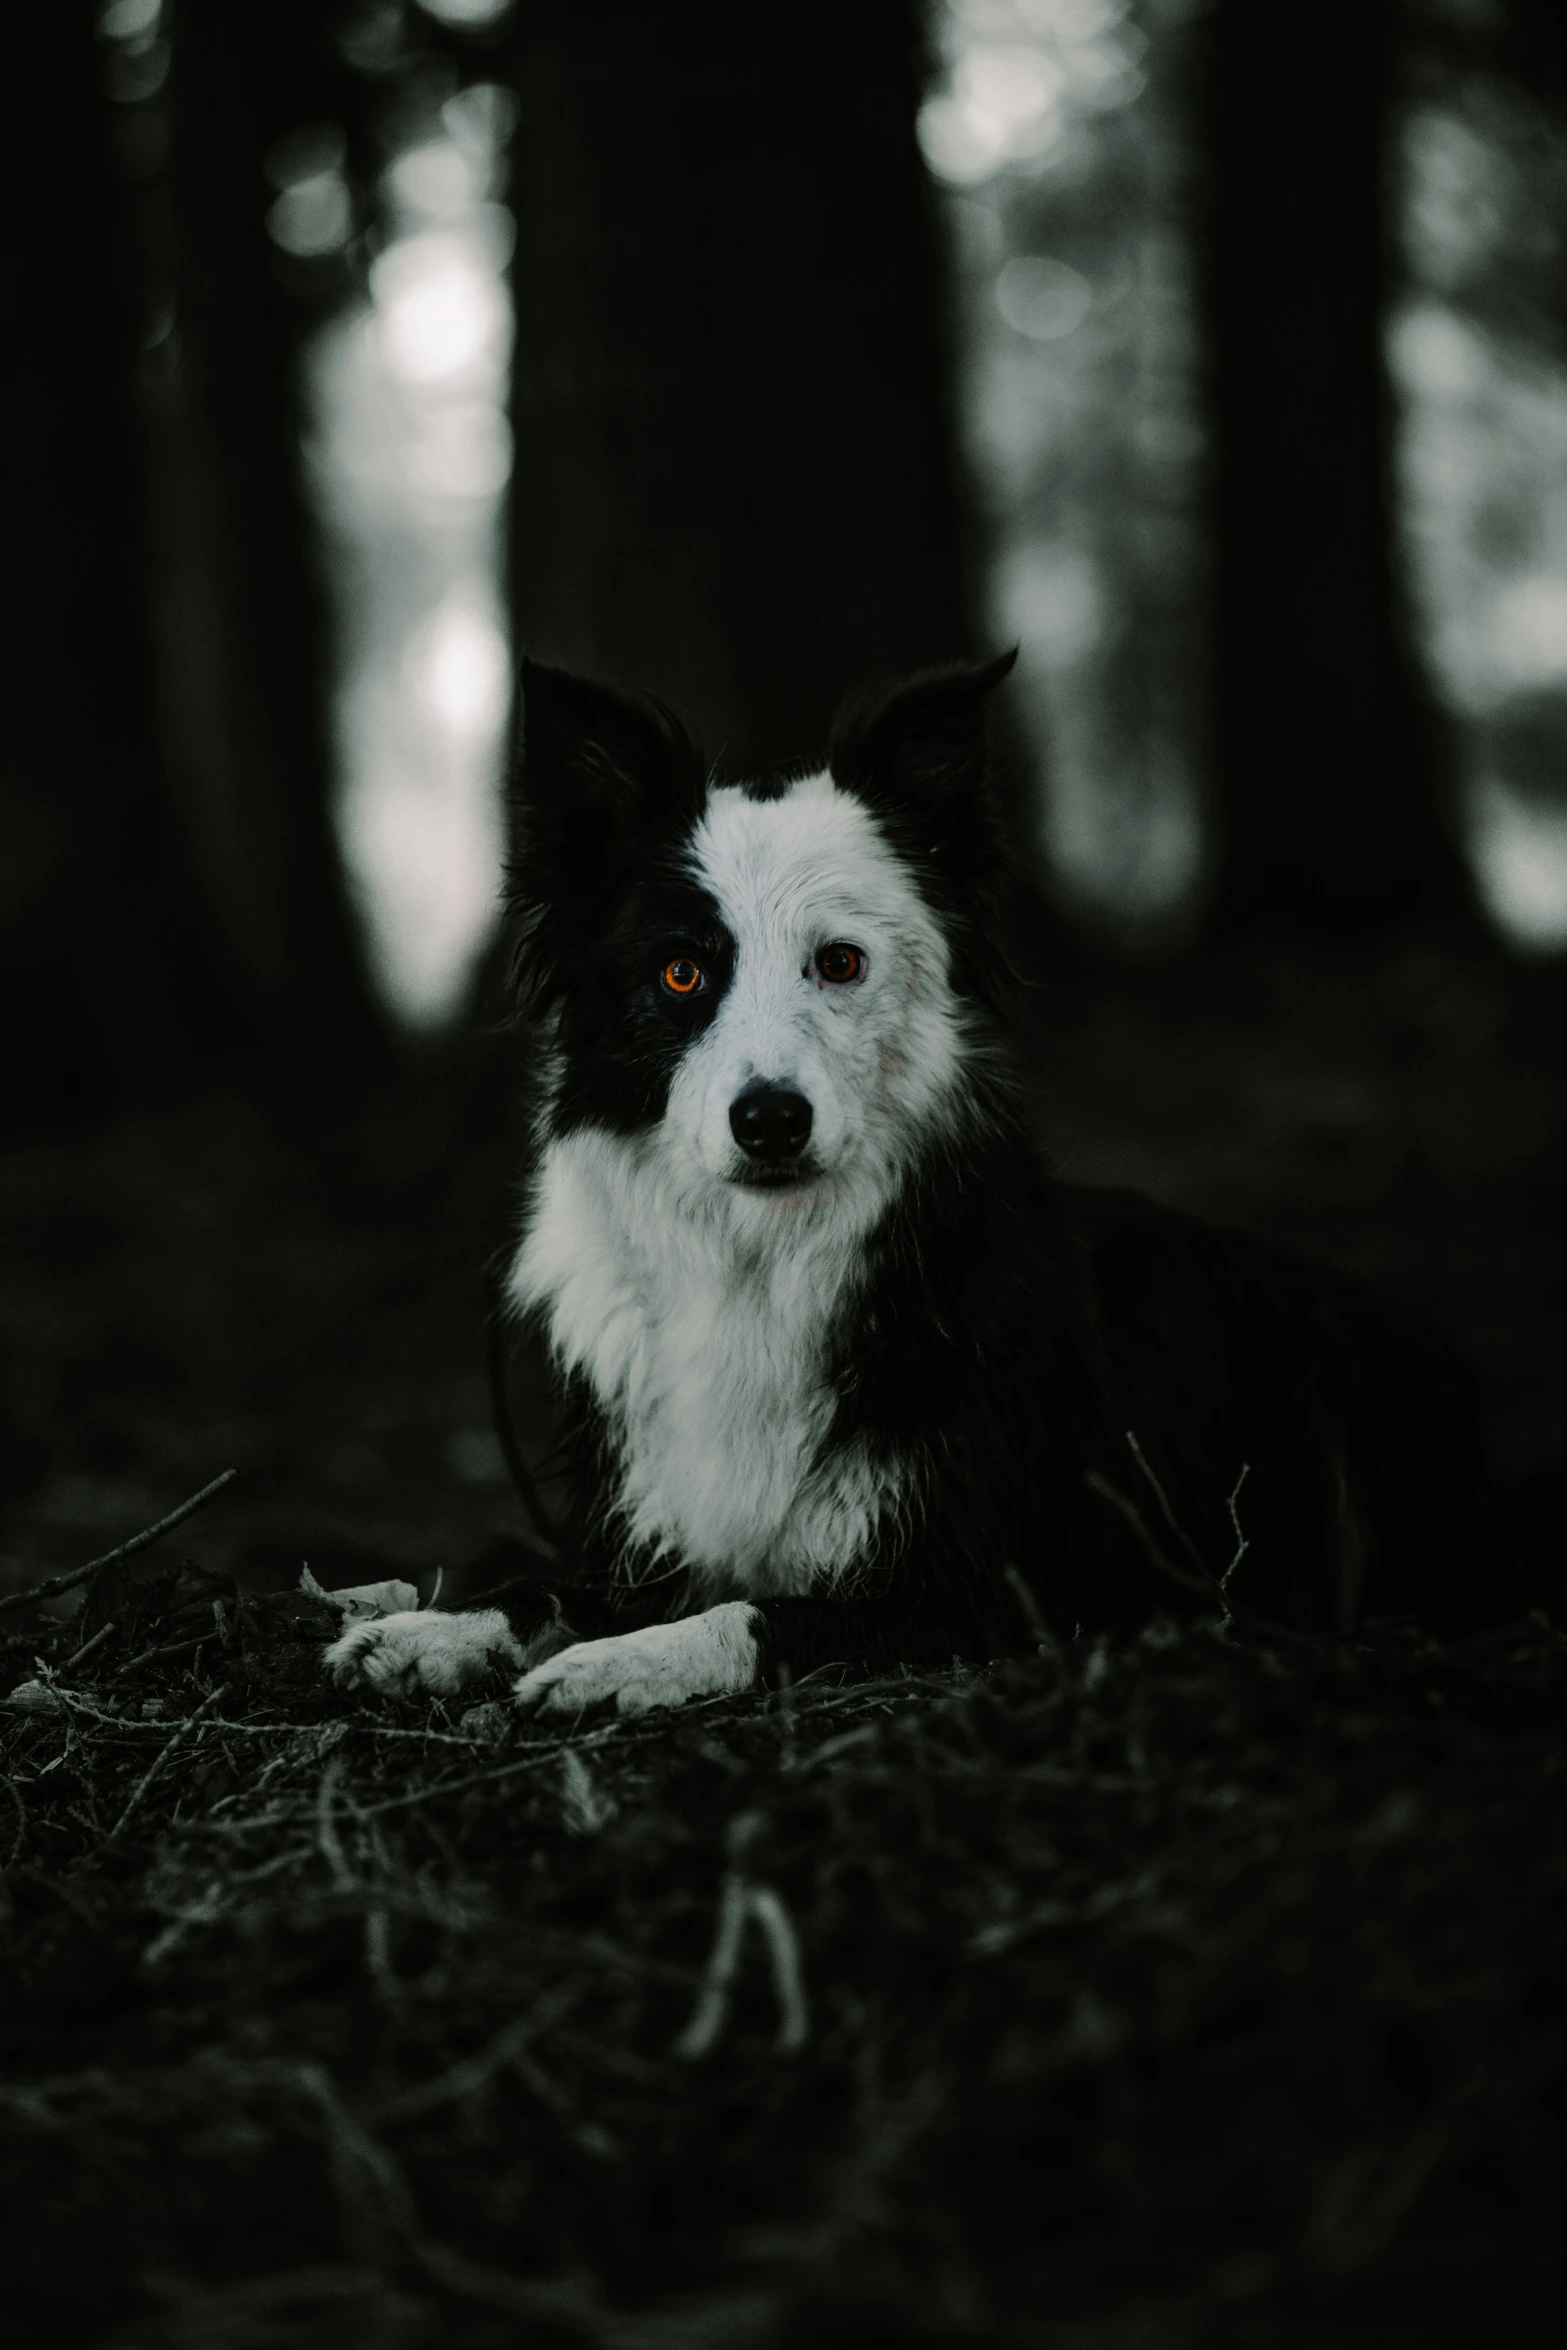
(601, 779)
(908, 748)
(592, 758)
(915, 754)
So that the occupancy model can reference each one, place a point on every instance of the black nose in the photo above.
(770, 1122)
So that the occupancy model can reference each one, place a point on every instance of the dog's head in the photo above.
(773, 982)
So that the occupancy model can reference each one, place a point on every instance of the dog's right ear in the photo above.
(594, 762)
(600, 780)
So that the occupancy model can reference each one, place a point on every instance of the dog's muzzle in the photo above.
(772, 1125)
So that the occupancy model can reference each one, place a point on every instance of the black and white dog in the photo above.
(847, 1374)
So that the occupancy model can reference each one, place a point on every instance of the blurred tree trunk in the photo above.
(1331, 753)
(735, 481)
(104, 969)
(242, 630)
(168, 883)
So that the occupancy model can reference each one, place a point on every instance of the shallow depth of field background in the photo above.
(1201, 1993)
(1216, 356)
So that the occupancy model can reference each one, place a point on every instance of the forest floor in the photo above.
(1196, 1990)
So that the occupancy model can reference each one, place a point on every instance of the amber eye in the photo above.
(839, 963)
(681, 976)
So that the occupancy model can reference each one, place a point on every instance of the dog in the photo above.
(848, 1376)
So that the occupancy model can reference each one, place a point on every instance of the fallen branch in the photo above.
(1128, 1509)
(472, 2074)
(1200, 1577)
(328, 1842)
(99, 1637)
(143, 1541)
(152, 1656)
(378, 2210)
(711, 2011)
(1205, 1574)
(742, 1902)
(265, 1729)
(1242, 1545)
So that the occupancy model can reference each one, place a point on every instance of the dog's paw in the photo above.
(423, 1649)
(710, 1655)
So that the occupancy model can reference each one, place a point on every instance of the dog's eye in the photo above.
(839, 963)
(680, 976)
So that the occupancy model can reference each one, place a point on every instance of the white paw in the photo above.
(424, 1649)
(710, 1655)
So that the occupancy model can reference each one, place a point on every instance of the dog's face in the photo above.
(771, 985)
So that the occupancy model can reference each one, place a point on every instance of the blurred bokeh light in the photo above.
(410, 455)
(1062, 137)
(1056, 137)
(314, 212)
(1476, 353)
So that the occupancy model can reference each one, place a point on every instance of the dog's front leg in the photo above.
(715, 1654)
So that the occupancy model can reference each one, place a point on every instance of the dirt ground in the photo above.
(1196, 1993)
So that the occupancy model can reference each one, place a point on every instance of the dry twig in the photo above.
(110, 1558)
(151, 1656)
(739, 1903)
(1200, 1577)
(1242, 1545)
(85, 1651)
(158, 1762)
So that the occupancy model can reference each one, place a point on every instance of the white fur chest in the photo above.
(703, 1326)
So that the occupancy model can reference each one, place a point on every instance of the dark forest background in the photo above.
(1198, 1989)
(248, 1215)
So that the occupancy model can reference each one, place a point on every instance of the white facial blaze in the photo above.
(875, 1058)
(703, 1311)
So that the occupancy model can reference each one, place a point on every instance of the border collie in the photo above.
(847, 1375)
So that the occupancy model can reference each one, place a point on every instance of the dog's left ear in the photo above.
(910, 748)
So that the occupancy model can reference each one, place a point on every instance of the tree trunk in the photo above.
(735, 481)
(1330, 752)
(104, 969)
(242, 628)
(168, 879)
